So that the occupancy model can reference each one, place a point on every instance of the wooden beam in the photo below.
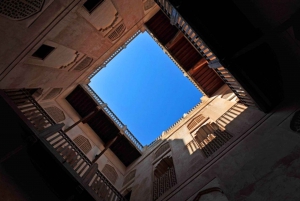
(85, 119)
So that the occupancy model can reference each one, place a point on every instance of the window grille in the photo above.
(84, 64)
(164, 177)
(117, 32)
(110, 173)
(53, 93)
(196, 121)
(129, 177)
(56, 114)
(20, 10)
(161, 150)
(210, 138)
(149, 4)
(83, 143)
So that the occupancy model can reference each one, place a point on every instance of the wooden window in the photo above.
(110, 173)
(91, 5)
(56, 114)
(83, 143)
(129, 177)
(164, 177)
(43, 51)
(161, 150)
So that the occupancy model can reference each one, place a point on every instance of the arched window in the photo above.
(295, 122)
(20, 10)
(53, 93)
(161, 150)
(210, 138)
(56, 114)
(129, 177)
(83, 143)
(117, 32)
(196, 122)
(164, 177)
(84, 64)
(216, 193)
(148, 4)
(110, 173)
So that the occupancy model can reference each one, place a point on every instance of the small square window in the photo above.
(43, 51)
(91, 5)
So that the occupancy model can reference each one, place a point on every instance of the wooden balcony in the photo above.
(223, 43)
(182, 51)
(105, 124)
(55, 155)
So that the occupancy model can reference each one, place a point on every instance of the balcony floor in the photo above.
(19, 179)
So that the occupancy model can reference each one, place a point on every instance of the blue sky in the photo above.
(145, 89)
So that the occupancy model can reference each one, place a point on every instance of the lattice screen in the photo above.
(117, 32)
(83, 143)
(164, 177)
(53, 93)
(84, 64)
(110, 173)
(129, 177)
(20, 9)
(161, 150)
(56, 114)
(149, 4)
(196, 121)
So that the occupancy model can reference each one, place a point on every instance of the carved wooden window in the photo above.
(56, 114)
(20, 9)
(295, 122)
(161, 150)
(129, 177)
(196, 122)
(149, 4)
(84, 64)
(164, 177)
(91, 5)
(43, 51)
(110, 173)
(210, 138)
(83, 143)
(117, 32)
(53, 93)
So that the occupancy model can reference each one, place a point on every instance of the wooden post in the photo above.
(86, 118)
(106, 147)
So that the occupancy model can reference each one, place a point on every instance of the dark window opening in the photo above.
(43, 51)
(127, 196)
(91, 5)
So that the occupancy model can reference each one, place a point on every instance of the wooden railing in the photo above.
(213, 62)
(114, 118)
(52, 136)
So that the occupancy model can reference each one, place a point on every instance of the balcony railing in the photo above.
(115, 119)
(114, 54)
(213, 62)
(61, 146)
